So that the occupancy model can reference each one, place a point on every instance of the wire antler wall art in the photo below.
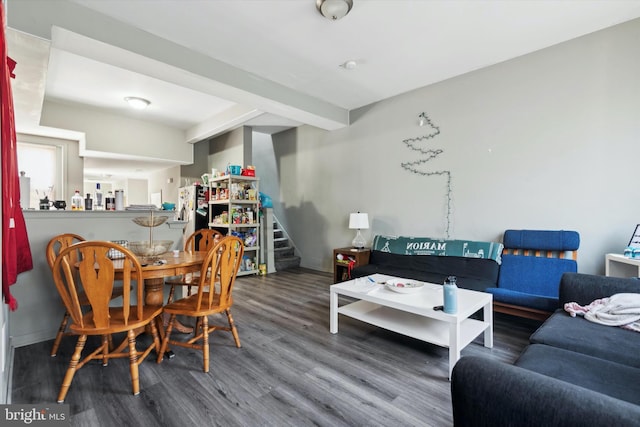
(425, 155)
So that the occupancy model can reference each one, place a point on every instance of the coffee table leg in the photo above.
(454, 345)
(333, 312)
(488, 318)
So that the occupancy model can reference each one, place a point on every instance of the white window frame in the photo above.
(61, 165)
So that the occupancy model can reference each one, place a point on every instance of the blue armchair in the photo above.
(533, 262)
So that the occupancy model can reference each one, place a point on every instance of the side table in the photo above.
(620, 266)
(341, 267)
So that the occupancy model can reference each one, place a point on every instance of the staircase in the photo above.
(283, 251)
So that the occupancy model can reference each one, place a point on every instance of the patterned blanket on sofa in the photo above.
(403, 245)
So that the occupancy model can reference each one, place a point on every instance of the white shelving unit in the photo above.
(234, 210)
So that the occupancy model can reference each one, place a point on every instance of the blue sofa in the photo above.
(573, 373)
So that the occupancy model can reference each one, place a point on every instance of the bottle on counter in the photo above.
(99, 205)
(77, 204)
(450, 290)
(110, 201)
(88, 203)
(119, 200)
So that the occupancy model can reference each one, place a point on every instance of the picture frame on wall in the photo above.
(634, 242)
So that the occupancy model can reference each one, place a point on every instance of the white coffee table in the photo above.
(413, 314)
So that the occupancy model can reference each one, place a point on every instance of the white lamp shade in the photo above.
(359, 221)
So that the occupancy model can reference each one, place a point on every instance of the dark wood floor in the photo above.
(290, 370)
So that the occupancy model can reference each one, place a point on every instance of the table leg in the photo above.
(454, 345)
(153, 291)
(488, 318)
(333, 312)
(154, 296)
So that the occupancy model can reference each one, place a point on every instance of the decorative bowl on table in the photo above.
(150, 221)
(149, 249)
(168, 206)
(404, 286)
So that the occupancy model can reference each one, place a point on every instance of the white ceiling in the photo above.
(210, 66)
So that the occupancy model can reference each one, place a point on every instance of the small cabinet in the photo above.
(234, 210)
(351, 257)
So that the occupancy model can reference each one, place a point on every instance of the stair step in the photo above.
(288, 262)
(280, 242)
(283, 252)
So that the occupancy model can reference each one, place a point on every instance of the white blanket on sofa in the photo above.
(617, 310)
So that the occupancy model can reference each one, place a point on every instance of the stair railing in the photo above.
(285, 234)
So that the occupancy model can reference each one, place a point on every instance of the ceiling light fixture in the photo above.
(334, 9)
(349, 65)
(137, 103)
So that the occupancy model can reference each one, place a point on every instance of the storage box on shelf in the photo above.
(234, 210)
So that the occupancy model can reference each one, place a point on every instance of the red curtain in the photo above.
(16, 253)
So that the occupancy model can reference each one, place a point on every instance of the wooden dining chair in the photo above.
(97, 273)
(213, 296)
(54, 247)
(200, 240)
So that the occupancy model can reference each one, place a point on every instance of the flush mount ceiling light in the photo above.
(137, 103)
(349, 65)
(334, 9)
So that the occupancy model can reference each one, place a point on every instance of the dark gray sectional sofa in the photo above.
(476, 274)
(475, 264)
(574, 372)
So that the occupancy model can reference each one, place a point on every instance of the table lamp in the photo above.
(358, 221)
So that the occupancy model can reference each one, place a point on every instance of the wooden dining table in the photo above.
(154, 272)
(167, 265)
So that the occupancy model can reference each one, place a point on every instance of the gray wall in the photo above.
(113, 133)
(545, 141)
(265, 161)
(166, 181)
(233, 147)
(227, 149)
(191, 173)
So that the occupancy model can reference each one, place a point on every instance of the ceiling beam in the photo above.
(183, 66)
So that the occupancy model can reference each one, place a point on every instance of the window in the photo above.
(42, 163)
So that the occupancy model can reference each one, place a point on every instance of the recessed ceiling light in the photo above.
(137, 103)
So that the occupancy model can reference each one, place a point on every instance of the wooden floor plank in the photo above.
(289, 371)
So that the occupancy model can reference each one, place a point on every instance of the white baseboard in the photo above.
(9, 373)
(33, 338)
